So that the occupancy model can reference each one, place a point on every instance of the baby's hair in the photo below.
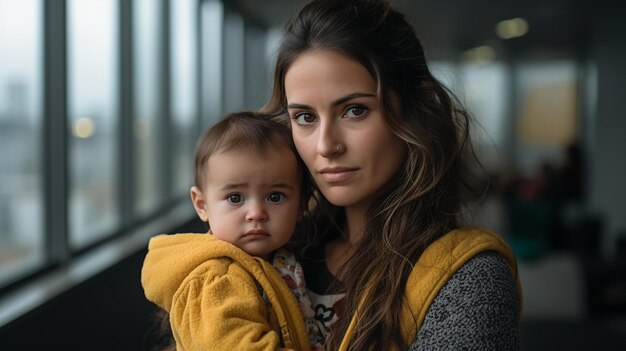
(256, 133)
(243, 130)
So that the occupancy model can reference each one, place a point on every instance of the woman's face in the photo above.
(339, 128)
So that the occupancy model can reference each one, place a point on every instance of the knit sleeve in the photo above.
(477, 309)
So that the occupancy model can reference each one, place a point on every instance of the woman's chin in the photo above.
(343, 198)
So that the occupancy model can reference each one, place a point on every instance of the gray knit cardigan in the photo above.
(477, 309)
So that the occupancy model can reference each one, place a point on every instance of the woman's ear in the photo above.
(199, 203)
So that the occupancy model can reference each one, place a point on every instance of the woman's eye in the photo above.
(304, 118)
(355, 111)
(276, 197)
(235, 198)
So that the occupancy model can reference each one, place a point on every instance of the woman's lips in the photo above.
(336, 174)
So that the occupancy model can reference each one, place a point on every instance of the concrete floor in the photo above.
(556, 315)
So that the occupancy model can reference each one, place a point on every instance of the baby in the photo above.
(233, 288)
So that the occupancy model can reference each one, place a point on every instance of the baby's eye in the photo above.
(235, 198)
(304, 118)
(356, 111)
(276, 197)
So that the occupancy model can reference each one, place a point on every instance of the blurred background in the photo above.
(101, 102)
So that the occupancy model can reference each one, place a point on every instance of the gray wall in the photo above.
(608, 150)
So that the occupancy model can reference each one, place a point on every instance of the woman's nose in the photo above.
(256, 212)
(328, 142)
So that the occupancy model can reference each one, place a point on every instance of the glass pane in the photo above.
(234, 65)
(486, 98)
(212, 25)
(21, 193)
(147, 190)
(184, 102)
(93, 106)
(547, 109)
(482, 88)
(257, 86)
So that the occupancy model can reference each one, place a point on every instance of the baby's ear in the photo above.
(199, 203)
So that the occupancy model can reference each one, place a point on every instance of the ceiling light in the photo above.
(512, 28)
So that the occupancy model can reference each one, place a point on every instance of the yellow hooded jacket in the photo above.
(211, 290)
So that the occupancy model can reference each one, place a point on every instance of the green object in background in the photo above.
(529, 226)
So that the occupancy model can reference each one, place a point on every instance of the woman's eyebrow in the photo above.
(350, 97)
(337, 102)
(299, 106)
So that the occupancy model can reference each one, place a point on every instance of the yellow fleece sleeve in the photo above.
(219, 307)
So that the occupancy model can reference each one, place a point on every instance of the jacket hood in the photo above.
(172, 258)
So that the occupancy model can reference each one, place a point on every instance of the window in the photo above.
(482, 88)
(21, 193)
(546, 112)
(257, 86)
(88, 104)
(211, 44)
(148, 183)
(93, 111)
(184, 81)
(234, 63)
(486, 98)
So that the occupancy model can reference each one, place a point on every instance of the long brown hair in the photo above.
(424, 199)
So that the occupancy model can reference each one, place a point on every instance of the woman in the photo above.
(384, 142)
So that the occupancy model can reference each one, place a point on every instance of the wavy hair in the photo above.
(424, 199)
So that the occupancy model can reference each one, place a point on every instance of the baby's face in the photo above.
(253, 200)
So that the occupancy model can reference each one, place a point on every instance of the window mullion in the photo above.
(55, 147)
(126, 116)
(166, 149)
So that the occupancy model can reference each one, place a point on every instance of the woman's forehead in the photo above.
(320, 72)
